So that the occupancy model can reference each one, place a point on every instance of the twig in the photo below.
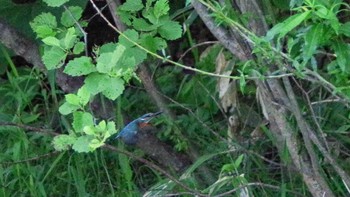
(256, 184)
(155, 167)
(328, 101)
(312, 113)
(81, 29)
(176, 63)
(197, 45)
(30, 159)
(30, 128)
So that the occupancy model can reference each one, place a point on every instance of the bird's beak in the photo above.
(153, 115)
(157, 113)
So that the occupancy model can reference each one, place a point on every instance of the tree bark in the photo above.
(276, 98)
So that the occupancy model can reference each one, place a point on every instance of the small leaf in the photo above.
(130, 34)
(343, 55)
(312, 40)
(55, 3)
(63, 142)
(81, 145)
(152, 43)
(115, 88)
(102, 125)
(54, 57)
(141, 24)
(44, 31)
(84, 96)
(161, 8)
(89, 130)
(67, 108)
(132, 5)
(79, 66)
(345, 29)
(78, 48)
(44, 24)
(170, 30)
(287, 25)
(69, 39)
(138, 54)
(111, 128)
(125, 16)
(51, 41)
(238, 161)
(95, 143)
(81, 120)
(94, 83)
(106, 61)
(72, 99)
(71, 15)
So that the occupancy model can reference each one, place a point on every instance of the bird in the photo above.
(129, 133)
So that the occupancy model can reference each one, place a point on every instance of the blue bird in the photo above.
(129, 133)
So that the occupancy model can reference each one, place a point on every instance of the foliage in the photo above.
(304, 31)
(115, 63)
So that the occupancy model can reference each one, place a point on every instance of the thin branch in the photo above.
(229, 193)
(176, 63)
(155, 167)
(81, 29)
(335, 100)
(197, 45)
(312, 113)
(30, 128)
(31, 159)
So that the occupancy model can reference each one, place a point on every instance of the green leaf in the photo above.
(72, 99)
(149, 14)
(78, 48)
(81, 120)
(161, 8)
(89, 130)
(342, 51)
(312, 40)
(106, 61)
(153, 43)
(84, 96)
(130, 34)
(67, 108)
(79, 66)
(96, 83)
(71, 15)
(238, 161)
(149, 4)
(170, 30)
(69, 39)
(138, 54)
(115, 87)
(141, 24)
(55, 3)
(95, 143)
(287, 25)
(345, 29)
(51, 41)
(132, 5)
(108, 48)
(82, 144)
(63, 142)
(54, 57)
(44, 24)
(111, 128)
(125, 16)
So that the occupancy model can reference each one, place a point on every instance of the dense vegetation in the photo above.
(255, 97)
